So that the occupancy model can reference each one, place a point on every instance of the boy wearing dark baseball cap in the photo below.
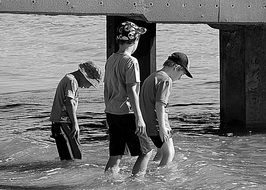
(154, 97)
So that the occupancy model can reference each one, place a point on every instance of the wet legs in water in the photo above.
(166, 153)
(139, 167)
(141, 164)
(113, 164)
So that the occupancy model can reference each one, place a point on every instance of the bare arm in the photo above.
(71, 110)
(160, 112)
(133, 94)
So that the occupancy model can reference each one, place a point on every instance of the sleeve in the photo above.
(163, 91)
(132, 73)
(71, 89)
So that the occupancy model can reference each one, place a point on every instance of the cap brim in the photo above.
(188, 73)
(93, 82)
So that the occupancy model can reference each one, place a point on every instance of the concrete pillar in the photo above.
(146, 52)
(243, 78)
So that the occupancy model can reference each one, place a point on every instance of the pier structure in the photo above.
(242, 34)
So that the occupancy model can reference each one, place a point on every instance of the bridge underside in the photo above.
(242, 43)
(153, 11)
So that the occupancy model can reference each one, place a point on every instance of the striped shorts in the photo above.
(68, 147)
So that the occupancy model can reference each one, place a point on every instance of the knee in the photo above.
(168, 149)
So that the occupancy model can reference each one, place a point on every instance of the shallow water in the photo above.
(36, 51)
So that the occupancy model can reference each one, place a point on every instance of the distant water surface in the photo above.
(36, 51)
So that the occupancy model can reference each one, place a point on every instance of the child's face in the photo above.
(178, 72)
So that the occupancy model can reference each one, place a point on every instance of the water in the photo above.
(36, 51)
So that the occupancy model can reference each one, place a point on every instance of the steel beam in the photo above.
(242, 11)
(156, 11)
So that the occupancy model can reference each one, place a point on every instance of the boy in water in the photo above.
(65, 128)
(121, 93)
(154, 96)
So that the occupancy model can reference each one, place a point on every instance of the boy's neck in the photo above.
(77, 74)
(167, 70)
(125, 49)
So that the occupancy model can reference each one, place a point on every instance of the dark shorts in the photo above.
(122, 132)
(157, 140)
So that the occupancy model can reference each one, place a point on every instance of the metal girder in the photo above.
(184, 11)
(157, 11)
(242, 11)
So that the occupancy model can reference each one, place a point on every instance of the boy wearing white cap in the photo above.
(121, 95)
(65, 128)
(154, 97)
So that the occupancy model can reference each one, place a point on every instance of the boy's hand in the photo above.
(164, 134)
(140, 127)
(75, 131)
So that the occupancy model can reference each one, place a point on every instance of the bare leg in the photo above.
(158, 156)
(141, 164)
(168, 152)
(113, 163)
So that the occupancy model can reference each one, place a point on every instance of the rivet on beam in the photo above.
(68, 4)
(101, 3)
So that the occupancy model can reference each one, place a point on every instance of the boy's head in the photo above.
(91, 72)
(180, 59)
(129, 32)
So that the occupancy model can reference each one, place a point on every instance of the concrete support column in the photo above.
(146, 52)
(243, 78)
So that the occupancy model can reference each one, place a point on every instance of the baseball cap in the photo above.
(128, 31)
(91, 72)
(182, 60)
